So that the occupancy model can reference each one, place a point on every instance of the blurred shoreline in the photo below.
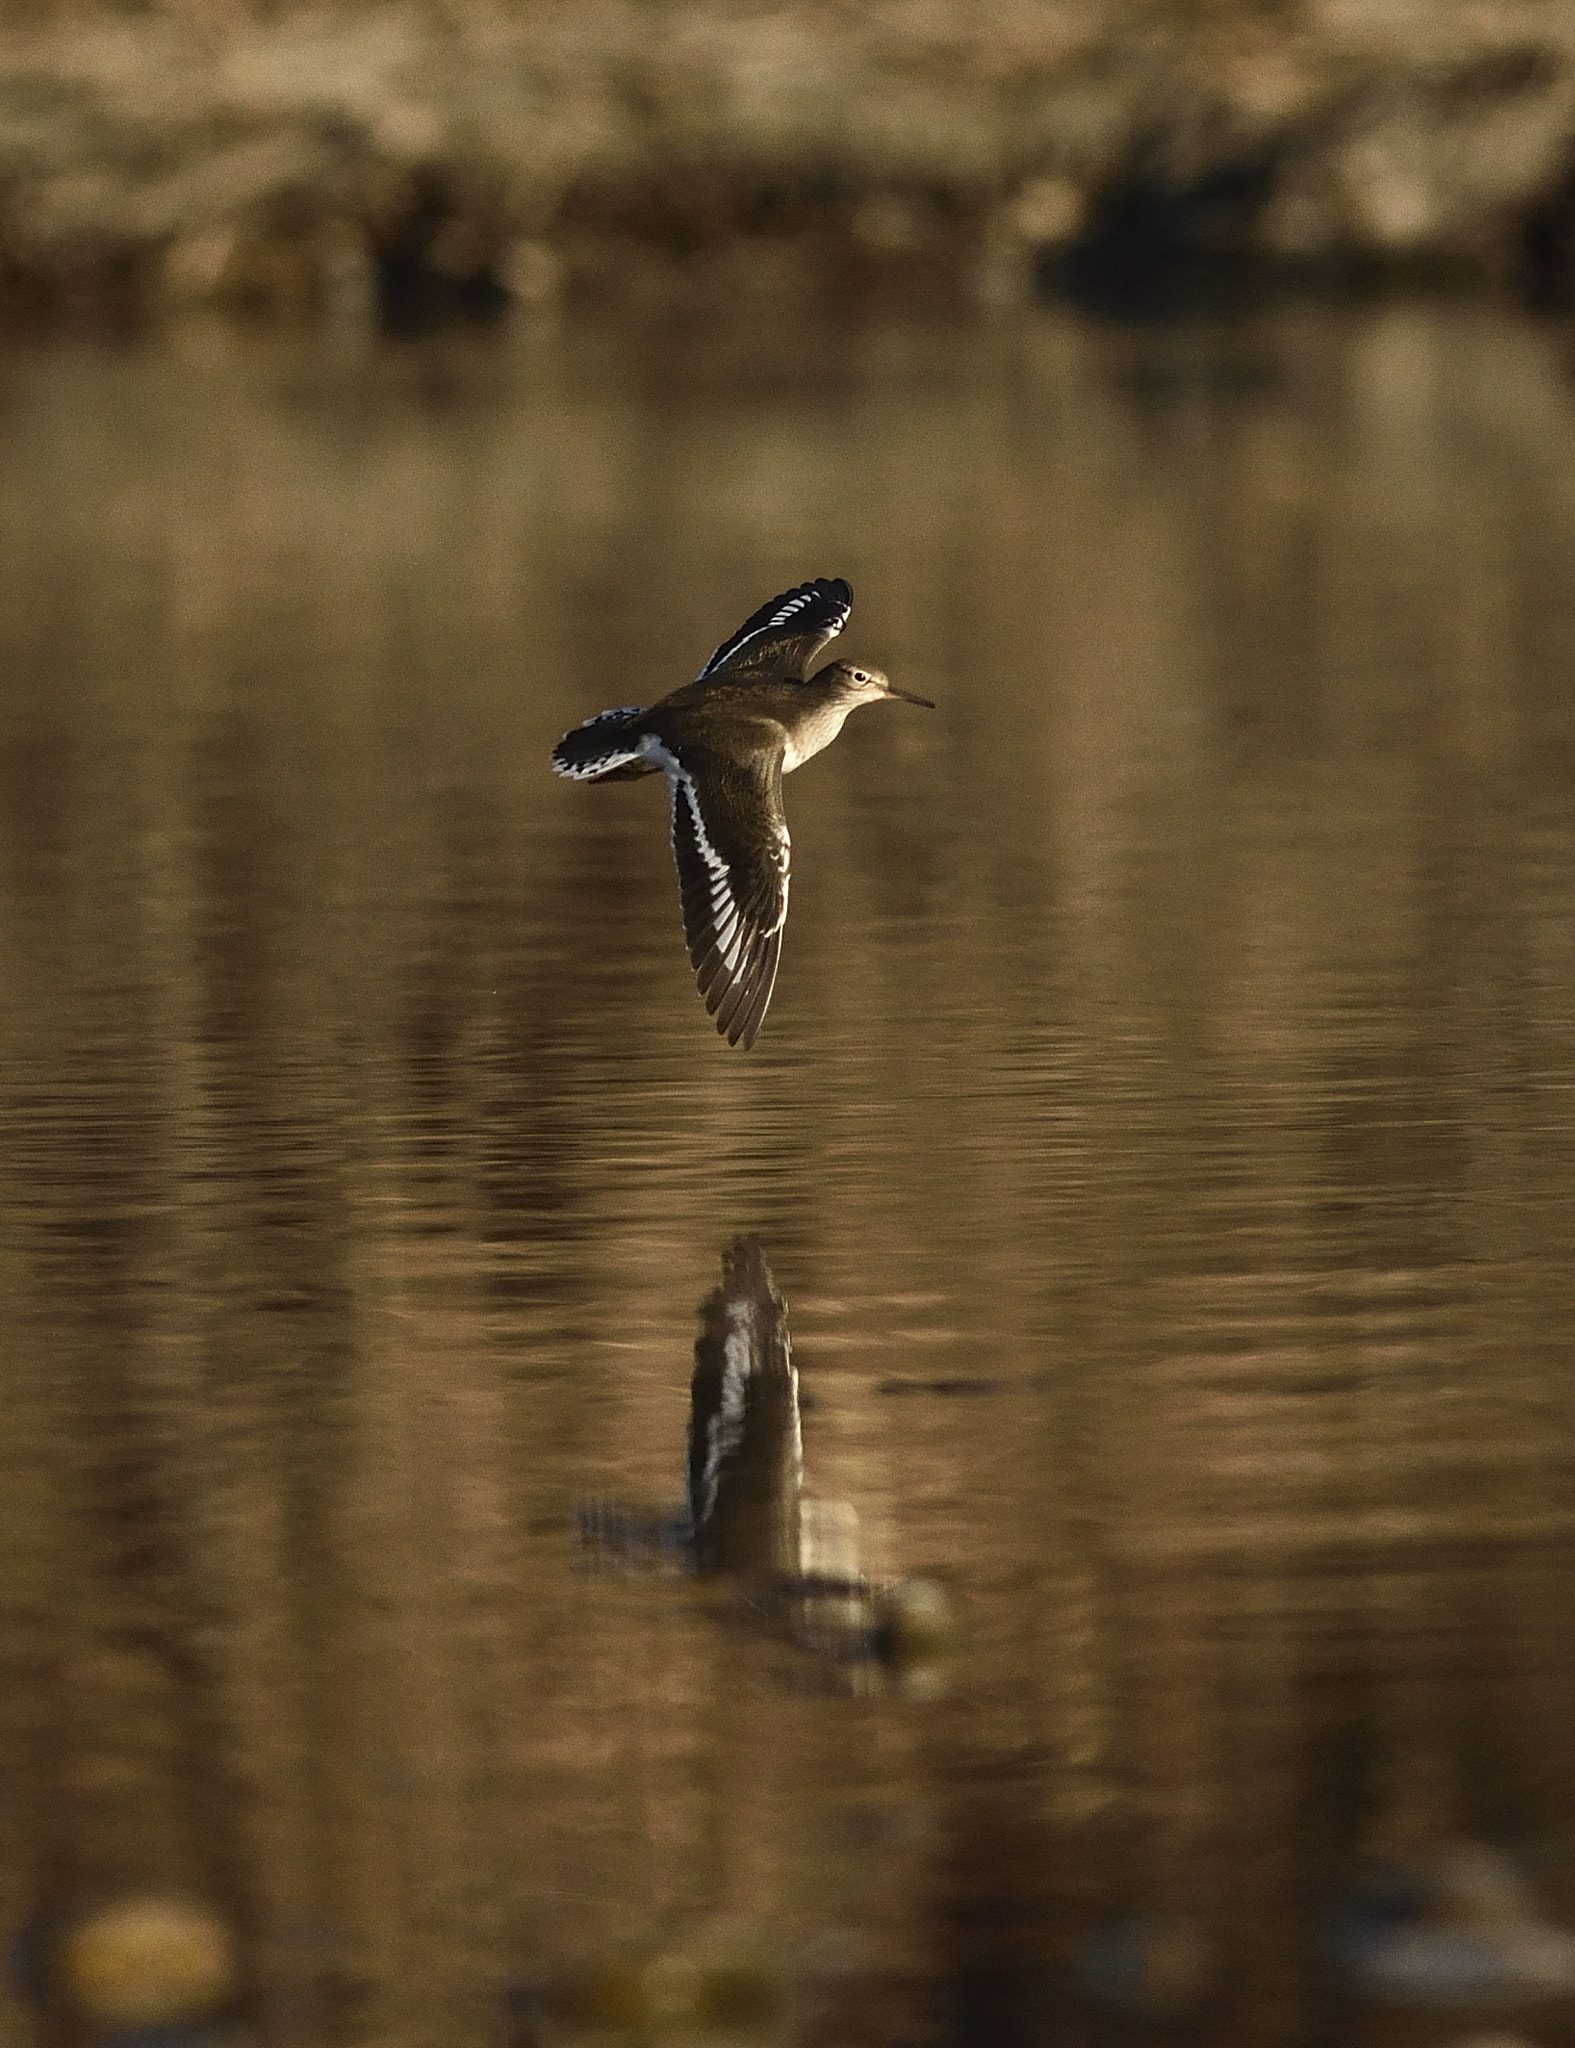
(410, 164)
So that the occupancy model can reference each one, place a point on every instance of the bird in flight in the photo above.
(752, 715)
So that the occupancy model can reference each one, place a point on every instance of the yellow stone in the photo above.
(147, 1962)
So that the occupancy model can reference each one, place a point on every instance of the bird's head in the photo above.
(858, 685)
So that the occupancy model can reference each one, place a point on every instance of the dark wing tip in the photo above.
(739, 1004)
(737, 993)
(599, 750)
(744, 1265)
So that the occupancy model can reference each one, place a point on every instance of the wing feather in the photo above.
(785, 635)
(602, 750)
(732, 858)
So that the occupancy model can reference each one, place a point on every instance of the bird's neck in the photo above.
(812, 730)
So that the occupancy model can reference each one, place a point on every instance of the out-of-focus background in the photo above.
(465, 152)
(1148, 1618)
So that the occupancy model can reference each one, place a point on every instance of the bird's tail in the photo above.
(603, 749)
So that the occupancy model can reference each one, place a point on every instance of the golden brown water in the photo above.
(1163, 1135)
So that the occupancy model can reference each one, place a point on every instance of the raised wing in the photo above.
(730, 841)
(784, 636)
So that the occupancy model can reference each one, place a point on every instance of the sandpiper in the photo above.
(752, 715)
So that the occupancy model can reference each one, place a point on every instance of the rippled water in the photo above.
(1162, 1136)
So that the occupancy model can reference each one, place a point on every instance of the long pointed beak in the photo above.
(908, 697)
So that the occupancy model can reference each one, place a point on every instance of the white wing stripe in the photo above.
(713, 860)
(782, 616)
(589, 771)
(615, 757)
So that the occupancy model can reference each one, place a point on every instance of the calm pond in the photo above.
(1162, 1139)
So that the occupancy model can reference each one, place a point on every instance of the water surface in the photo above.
(1162, 1134)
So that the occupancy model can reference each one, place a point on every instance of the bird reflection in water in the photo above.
(748, 1515)
(746, 1446)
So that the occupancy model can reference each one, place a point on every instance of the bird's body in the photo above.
(724, 742)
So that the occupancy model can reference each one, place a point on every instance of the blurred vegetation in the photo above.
(415, 160)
